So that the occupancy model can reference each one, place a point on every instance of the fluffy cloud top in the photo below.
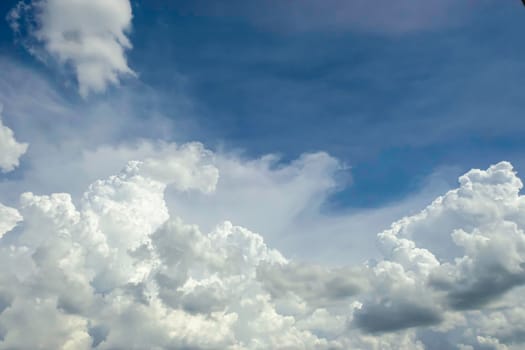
(10, 149)
(89, 36)
(118, 270)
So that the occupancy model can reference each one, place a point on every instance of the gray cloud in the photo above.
(473, 294)
(389, 316)
(317, 285)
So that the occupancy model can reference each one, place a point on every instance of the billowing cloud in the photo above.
(315, 285)
(10, 149)
(86, 36)
(101, 271)
(460, 264)
(477, 233)
(119, 268)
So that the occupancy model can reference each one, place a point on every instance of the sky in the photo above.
(262, 174)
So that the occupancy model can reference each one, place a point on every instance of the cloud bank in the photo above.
(87, 36)
(119, 270)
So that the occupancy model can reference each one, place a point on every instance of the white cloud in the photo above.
(119, 269)
(10, 149)
(463, 260)
(113, 265)
(475, 231)
(88, 36)
(102, 270)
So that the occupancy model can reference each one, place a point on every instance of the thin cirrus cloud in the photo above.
(382, 17)
(89, 37)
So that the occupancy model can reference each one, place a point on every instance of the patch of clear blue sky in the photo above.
(393, 107)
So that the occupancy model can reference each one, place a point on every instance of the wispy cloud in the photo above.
(382, 17)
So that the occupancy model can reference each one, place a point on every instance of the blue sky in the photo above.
(393, 106)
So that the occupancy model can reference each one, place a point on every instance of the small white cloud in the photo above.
(89, 36)
(10, 149)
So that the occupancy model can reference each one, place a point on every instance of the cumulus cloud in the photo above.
(10, 149)
(399, 301)
(117, 262)
(118, 269)
(89, 37)
(317, 286)
(477, 233)
(464, 254)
